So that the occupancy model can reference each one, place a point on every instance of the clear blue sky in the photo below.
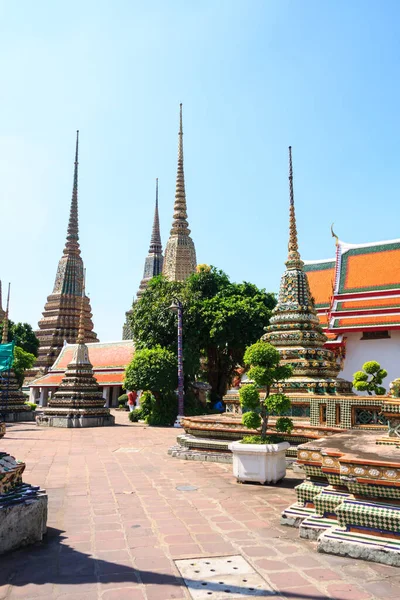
(254, 77)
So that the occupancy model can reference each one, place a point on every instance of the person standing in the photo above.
(132, 397)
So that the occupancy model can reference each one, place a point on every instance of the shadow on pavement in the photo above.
(54, 562)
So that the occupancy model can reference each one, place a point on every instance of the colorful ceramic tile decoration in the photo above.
(60, 320)
(350, 499)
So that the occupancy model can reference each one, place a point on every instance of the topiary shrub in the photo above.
(32, 405)
(370, 378)
(135, 415)
(122, 400)
(266, 373)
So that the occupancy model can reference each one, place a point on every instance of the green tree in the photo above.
(23, 335)
(265, 372)
(22, 362)
(153, 369)
(370, 378)
(220, 319)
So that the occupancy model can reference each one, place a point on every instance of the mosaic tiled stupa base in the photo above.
(78, 401)
(12, 400)
(23, 507)
(350, 501)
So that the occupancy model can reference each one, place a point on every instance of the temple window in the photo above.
(375, 335)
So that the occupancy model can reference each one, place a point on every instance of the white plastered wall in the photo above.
(385, 351)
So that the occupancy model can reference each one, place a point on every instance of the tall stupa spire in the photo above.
(294, 326)
(155, 241)
(72, 243)
(4, 339)
(153, 265)
(293, 261)
(2, 312)
(62, 311)
(180, 253)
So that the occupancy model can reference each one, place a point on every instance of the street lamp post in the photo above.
(177, 307)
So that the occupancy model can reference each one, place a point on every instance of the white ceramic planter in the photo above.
(264, 463)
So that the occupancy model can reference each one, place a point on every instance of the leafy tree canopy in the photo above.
(220, 319)
(153, 369)
(370, 378)
(23, 335)
(22, 361)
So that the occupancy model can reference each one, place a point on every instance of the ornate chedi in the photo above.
(60, 320)
(294, 327)
(23, 507)
(12, 399)
(180, 253)
(78, 401)
(153, 265)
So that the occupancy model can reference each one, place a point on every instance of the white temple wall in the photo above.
(385, 351)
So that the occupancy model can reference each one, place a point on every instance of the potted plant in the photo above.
(262, 457)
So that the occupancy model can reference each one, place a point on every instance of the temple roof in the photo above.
(109, 361)
(359, 288)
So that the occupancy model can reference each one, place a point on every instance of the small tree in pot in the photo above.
(256, 399)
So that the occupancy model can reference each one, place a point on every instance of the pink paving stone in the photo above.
(287, 579)
(383, 589)
(31, 590)
(271, 565)
(172, 540)
(164, 592)
(322, 574)
(302, 593)
(109, 535)
(303, 562)
(254, 551)
(126, 593)
(119, 543)
(185, 550)
(141, 542)
(347, 591)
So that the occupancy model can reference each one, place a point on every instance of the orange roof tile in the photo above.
(370, 303)
(321, 278)
(367, 321)
(368, 268)
(102, 355)
(102, 377)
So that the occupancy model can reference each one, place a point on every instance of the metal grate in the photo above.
(222, 578)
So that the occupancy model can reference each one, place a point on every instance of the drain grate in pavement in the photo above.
(128, 450)
(186, 488)
(222, 578)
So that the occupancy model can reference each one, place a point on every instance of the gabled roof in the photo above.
(360, 288)
(321, 278)
(107, 355)
(109, 361)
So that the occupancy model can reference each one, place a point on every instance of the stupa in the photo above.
(60, 320)
(12, 399)
(294, 326)
(153, 265)
(2, 312)
(78, 401)
(322, 403)
(180, 253)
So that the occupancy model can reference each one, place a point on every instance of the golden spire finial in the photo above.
(294, 259)
(81, 332)
(4, 339)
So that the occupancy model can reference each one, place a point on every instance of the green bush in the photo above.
(362, 382)
(122, 400)
(135, 415)
(32, 405)
(266, 373)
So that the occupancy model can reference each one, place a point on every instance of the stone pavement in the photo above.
(117, 522)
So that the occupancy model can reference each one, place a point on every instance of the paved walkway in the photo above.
(117, 522)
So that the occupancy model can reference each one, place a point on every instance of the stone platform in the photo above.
(76, 419)
(18, 416)
(350, 501)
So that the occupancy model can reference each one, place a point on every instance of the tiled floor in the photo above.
(117, 522)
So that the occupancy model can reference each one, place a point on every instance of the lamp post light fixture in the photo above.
(177, 307)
